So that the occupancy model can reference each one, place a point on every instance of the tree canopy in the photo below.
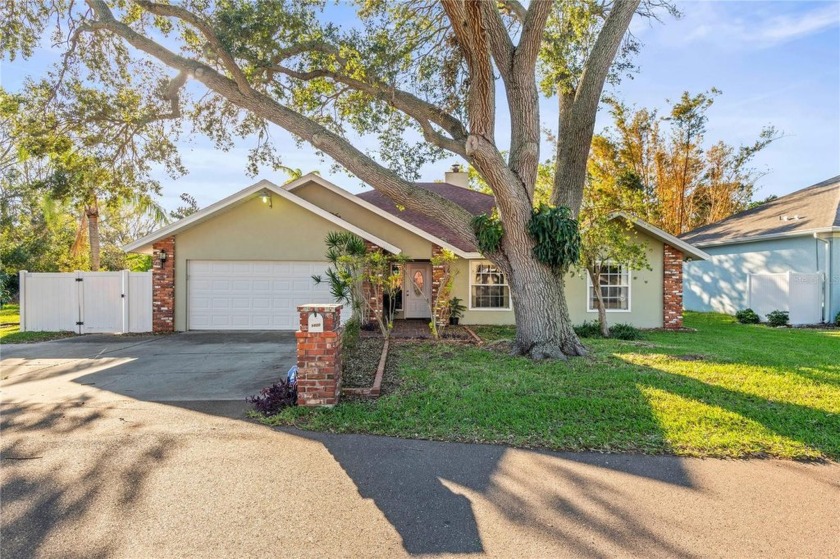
(425, 79)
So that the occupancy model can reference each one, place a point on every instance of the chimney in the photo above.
(457, 177)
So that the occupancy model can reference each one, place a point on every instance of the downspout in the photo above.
(826, 277)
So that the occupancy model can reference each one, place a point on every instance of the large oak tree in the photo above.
(426, 78)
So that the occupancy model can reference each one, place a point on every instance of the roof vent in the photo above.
(795, 217)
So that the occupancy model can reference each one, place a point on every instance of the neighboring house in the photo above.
(784, 255)
(247, 261)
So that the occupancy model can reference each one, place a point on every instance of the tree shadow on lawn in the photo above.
(815, 428)
(825, 374)
(763, 348)
(412, 486)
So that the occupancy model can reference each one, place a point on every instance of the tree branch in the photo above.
(579, 108)
(603, 53)
(306, 46)
(168, 10)
(471, 35)
(514, 8)
(532, 33)
(422, 111)
(523, 97)
(381, 178)
(171, 94)
(500, 42)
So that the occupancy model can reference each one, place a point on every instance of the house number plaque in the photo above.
(316, 322)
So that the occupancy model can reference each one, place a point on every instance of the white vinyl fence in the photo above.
(86, 302)
(799, 294)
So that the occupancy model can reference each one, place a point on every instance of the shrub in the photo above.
(352, 332)
(624, 332)
(272, 399)
(837, 319)
(747, 316)
(5, 291)
(778, 318)
(588, 329)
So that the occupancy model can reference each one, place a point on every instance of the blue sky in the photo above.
(776, 63)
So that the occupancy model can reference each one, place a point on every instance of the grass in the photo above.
(726, 390)
(10, 329)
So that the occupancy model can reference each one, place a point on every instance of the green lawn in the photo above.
(727, 390)
(10, 329)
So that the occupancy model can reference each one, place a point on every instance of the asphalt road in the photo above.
(94, 473)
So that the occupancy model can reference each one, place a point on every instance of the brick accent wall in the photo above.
(319, 357)
(672, 288)
(163, 286)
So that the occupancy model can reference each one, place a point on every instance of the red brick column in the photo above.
(672, 288)
(163, 286)
(319, 356)
(437, 277)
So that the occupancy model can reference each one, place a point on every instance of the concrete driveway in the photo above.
(89, 471)
(189, 366)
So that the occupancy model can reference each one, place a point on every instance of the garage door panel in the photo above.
(261, 295)
(240, 303)
(220, 267)
(245, 285)
(260, 285)
(199, 267)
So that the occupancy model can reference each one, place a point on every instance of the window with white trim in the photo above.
(489, 288)
(615, 288)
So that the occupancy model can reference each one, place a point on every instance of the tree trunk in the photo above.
(92, 213)
(543, 326)
(595, 277)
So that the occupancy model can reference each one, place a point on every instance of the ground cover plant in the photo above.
(10, 329)
(714, 392)
(274, 398)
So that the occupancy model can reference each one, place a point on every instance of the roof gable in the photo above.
(414, 222)
(686, 248)
(804, 212)
(144, 244)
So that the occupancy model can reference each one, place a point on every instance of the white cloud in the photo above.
(750, 24)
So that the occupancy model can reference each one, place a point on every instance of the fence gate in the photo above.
(799, 294)
(86, 302)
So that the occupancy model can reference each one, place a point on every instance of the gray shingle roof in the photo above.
(803, 211)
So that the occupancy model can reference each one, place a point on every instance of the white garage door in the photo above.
(260, 295)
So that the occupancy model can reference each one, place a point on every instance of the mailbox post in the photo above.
(319, 354)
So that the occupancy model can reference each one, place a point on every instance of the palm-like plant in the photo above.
(346, 254)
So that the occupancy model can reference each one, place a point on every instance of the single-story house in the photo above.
(247, 261)
(781, 255)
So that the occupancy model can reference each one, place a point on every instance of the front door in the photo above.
(418, 290)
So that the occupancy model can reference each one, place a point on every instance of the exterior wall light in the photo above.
(162, 256)
(266, 198)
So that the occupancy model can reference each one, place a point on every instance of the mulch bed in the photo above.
(359, 361)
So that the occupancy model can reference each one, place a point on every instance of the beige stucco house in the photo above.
(247, 261)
